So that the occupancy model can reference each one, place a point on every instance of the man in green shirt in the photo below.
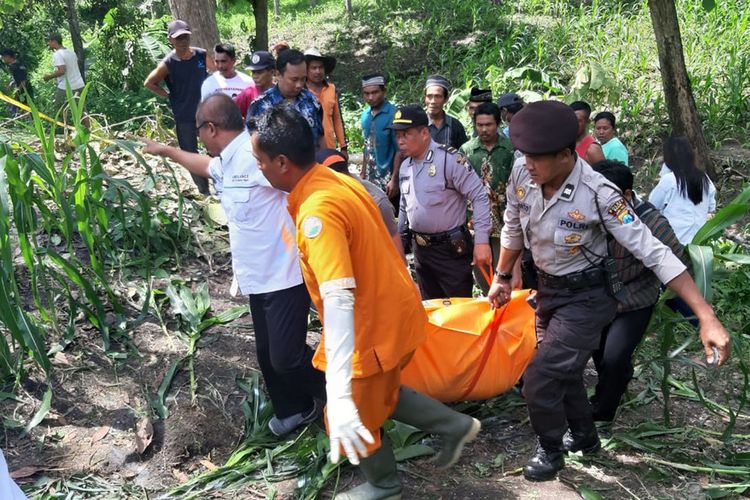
(491, 155)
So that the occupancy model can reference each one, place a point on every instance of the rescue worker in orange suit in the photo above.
(372, 315)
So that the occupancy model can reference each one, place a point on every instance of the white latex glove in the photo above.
(345, 428)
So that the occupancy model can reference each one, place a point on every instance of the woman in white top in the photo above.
(684, 195)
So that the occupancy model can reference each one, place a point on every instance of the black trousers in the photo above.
(440, 274)
(569, 323)
(280, 324)
(614, 360)
(187, 138)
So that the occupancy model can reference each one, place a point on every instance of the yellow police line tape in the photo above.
(24, 107)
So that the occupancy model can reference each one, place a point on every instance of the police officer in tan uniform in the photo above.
(436, 181)
(565, 211)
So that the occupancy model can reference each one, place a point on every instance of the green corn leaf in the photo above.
(702, 258)
(41, 412)
(412, 451)
(158, 402)
(739, 258)
(224, 317)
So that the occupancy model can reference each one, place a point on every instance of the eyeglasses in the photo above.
(204, 124)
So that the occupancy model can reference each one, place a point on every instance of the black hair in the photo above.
(8, 52)
(581, 106)
(225, 48)
(616, 172)
(606, 115)
(513, 108)
(282, 130)
(56, 37)
(488, 108)
(691, 181)
(222, 112)
(289, 56)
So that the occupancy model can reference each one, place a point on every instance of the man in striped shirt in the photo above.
(613, 359)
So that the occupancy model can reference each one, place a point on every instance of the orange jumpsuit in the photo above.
(333, 123)
(344, 244)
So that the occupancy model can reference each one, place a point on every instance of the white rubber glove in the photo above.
(345, 428)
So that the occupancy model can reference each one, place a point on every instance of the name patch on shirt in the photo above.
(571, 224)
(620, 211)
(525, 207)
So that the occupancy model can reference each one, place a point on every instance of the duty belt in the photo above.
(592, 276)
(425, 240)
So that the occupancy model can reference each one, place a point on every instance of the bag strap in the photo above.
(486, 351)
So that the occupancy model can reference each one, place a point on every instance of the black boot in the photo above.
(581, 436)
(546, 461)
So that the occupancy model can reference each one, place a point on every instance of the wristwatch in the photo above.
(504, 276)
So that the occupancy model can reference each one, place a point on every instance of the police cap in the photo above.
(408, 117)
(261, 60)
(544, 127)
(508, 100)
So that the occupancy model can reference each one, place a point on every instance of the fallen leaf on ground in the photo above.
(27, 471)
(100, 434)
(144, 434)
(180, 476)
(208, 464)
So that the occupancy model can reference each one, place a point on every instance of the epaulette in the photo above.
(447, 148)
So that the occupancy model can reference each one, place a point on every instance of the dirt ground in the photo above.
(90, 435)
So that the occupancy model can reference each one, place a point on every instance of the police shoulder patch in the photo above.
(620, 211)
(312, 227)
(447, 148)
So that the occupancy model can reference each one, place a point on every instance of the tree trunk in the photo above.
(348, 4)
(75, 34)
(275, 9)
(683, 114)
(201, 17)
(260, 13)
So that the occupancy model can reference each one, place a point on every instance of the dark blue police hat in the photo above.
(408, 117)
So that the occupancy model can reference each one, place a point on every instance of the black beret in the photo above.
(409, 116)
(544, 127)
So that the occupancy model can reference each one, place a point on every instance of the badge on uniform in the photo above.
(520, 192)
(572, 238)
(432, 170)
(620, 211)
(428, 158)
(312, 227)
(576, 215)
(567, 191)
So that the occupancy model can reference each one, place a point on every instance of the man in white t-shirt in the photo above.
(264, 260)
(225, 80)
(66, 71)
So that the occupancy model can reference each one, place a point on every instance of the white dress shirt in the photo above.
(685, 217)
(261, 231)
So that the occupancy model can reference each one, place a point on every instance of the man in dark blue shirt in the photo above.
(290, 87)
(19, 73)
(183, 70)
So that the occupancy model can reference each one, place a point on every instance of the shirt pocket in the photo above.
(236, 203)
(433, 189)
(568, 247)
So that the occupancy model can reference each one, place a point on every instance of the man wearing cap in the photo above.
(372, 317)
(225, 79)
(183, 70)
(444, 129)
(436, 182)
(318, 69)
(491, 155)
(381, 156)
(477, 97)
(567, 211)
(290, 87)
(509, 105)
(264, 261)
(262, 67)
